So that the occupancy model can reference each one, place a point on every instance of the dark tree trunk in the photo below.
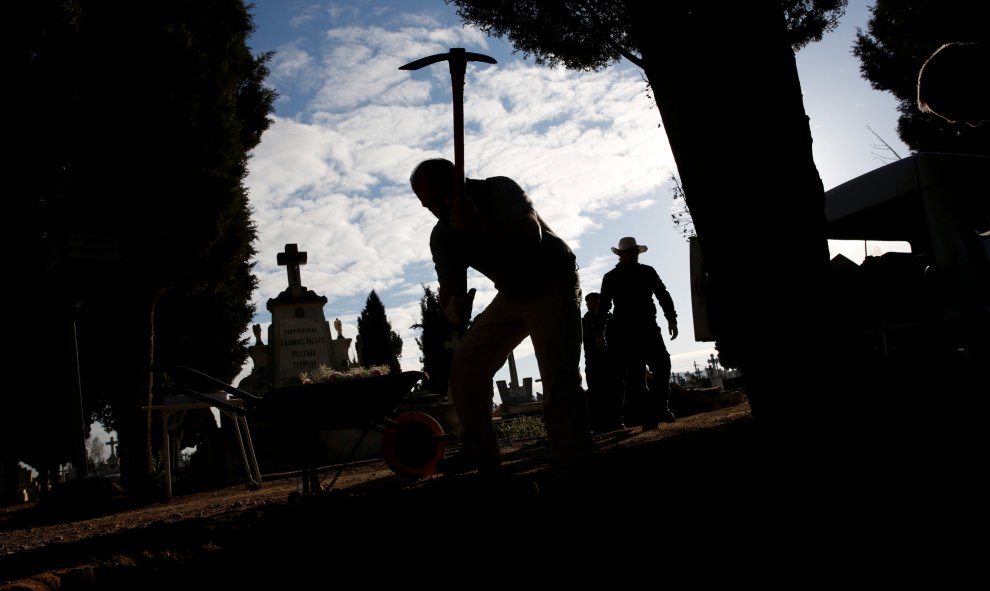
(727, 87)
(134, 358)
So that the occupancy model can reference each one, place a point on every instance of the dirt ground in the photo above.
(687, 473)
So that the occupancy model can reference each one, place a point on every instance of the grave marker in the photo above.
(299, 337)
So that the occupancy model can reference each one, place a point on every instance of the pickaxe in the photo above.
(458, 59)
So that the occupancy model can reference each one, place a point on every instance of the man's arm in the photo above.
(523, 232)
(604, 306)
(666, 304)
(510, 214)
(451, 268)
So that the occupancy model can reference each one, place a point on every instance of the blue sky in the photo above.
(331, 174)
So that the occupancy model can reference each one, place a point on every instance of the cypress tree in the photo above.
(377, 343)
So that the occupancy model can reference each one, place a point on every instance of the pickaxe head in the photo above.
(458, 59)
(457, 56)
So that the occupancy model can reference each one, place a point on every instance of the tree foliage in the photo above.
(377, 343)
(96, 453)
(135, 124)
(590, 35)
(437, 354)
(899, 37)
(680, 214)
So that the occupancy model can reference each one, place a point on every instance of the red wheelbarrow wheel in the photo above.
(412, 444)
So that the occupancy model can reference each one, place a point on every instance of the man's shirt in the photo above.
(518, 270)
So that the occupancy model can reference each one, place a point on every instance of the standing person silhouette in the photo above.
(604, 387)
(495, 230)
(634, 335)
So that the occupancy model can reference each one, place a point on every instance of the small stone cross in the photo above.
(291, 259)
(113, 447)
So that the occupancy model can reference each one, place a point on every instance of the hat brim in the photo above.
(639, 247)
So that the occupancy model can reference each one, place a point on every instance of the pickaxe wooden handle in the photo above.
(458, 59)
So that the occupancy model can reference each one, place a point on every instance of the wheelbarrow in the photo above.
(412, 441)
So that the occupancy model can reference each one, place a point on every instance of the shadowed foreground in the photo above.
(701, 487)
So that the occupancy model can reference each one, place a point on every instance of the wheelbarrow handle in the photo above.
(188, 372)
(237, 409)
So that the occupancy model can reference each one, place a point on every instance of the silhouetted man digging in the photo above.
(494, 229)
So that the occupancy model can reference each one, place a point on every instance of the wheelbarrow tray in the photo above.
(346, 403)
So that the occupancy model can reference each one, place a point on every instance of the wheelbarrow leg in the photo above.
(310, 474)
(313, 479)
(349, 449)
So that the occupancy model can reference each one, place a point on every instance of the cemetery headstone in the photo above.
(299, 337)
(299, 333)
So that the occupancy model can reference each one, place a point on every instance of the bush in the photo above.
(323, 373)
(521, 428)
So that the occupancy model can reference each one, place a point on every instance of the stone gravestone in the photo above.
(516, 398)
(299, 338)
(299, 334)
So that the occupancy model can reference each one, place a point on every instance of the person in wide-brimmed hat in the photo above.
(633, 334)
(628, 243)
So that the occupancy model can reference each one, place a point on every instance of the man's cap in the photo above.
(627, 243)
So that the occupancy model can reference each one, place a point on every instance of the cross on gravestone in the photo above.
(113, 447)
(291, 259)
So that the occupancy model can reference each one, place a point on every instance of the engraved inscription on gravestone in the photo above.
(303, 345)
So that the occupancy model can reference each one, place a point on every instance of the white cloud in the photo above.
(331, 175)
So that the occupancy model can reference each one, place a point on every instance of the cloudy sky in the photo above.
(331, 174)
